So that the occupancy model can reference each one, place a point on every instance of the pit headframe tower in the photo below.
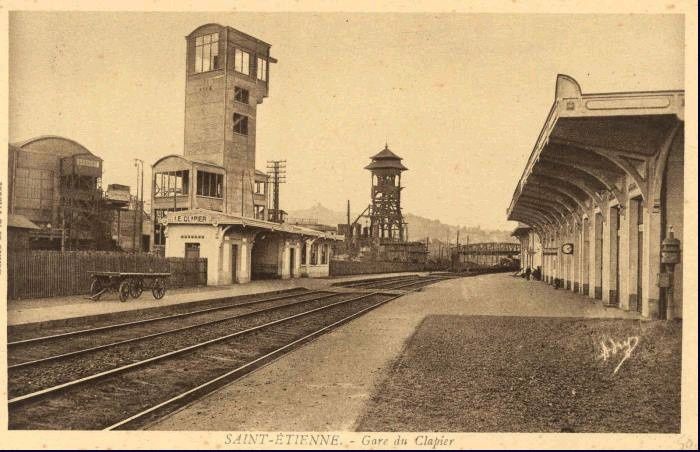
(386, 219)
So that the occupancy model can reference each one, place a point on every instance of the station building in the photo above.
(211, 201)
(602, 195)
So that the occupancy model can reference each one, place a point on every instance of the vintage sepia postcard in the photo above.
(315, 225)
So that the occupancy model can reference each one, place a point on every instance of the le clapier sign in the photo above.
(187, 218)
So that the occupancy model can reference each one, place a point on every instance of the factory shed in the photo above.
(18, 229)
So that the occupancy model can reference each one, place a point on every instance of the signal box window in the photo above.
(206, 53)
(240, 124)
(210, 184)
(262, 69)
(259, 212)
(241, 95)
(259, 187)
(241, 62)
(171, 182)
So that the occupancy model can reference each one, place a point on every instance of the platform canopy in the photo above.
(210, 217)
(589, 147)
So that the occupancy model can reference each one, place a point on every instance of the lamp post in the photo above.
(670, 256)
(138, 163)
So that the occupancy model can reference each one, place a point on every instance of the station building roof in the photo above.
(204, 216)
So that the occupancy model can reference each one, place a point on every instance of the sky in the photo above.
(461, 97)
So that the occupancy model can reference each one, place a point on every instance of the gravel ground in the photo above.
(518, 374)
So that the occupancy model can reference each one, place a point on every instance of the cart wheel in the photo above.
(95, 289)
(158, 288)
(124, 289)
(136, 288)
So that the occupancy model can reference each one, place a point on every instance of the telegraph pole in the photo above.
(277, 170)
(138, 163)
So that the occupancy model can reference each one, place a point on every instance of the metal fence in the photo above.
(38, 274)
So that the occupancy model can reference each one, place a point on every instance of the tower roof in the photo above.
(386, 159)
(386, 154)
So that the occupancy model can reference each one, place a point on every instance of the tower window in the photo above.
(259, 212)
(262, 69)
(241, 95)
(240, 124)
(171, 183)
(206, 53)
(242, 62)
(259, 187)
(209, 184)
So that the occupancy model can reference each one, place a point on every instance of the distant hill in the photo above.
(418, 227)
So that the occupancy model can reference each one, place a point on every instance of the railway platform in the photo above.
(57, 308)
(303, 390)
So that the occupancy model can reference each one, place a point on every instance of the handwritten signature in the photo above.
(610, 348)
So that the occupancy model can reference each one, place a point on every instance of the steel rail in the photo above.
(53, 389)
(389, 284)
(172, 316)
(247, 368)
(413, 283)
(377, 280)
(383, 283)
(162, 333)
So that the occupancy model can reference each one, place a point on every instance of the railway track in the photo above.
(51, 329)
(415, 283)
(77, 361)
(124, 385)
(36, 349)
(397, 283)
(370, 282)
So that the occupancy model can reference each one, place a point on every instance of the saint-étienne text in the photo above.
(282, 439)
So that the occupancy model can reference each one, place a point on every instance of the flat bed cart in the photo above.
(127, 284)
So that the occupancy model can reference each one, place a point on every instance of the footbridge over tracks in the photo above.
(489, 255)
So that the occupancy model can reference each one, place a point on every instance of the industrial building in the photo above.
(56, 201)
(602, 195)
(211, 201)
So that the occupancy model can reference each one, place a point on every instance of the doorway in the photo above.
(598, 280)
(640, 252)
(615, 251)
(234, 264)
(586, 256)
(292, 259)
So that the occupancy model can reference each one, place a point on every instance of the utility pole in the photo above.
(138, 163)
(277, 170)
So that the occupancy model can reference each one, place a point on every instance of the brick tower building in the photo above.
(227, 76)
